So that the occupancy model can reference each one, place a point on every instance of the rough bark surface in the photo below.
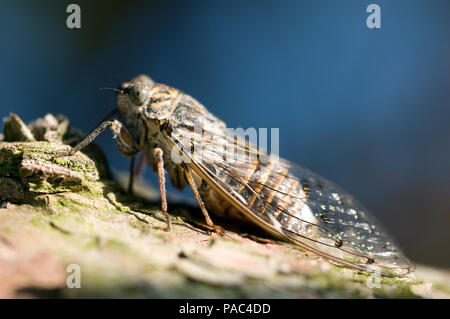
(56, 213)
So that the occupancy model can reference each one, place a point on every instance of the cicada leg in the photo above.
(135, 171)
(140, 164)
(88, 139)
(131, 177)
(208, 220)
(158, 155)
(123, 138)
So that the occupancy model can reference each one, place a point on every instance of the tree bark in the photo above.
(68, 211)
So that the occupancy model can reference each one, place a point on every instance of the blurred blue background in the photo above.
(368, 109)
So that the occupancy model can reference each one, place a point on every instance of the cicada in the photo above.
(244, 182)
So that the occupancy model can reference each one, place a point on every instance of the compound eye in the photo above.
(138, 93)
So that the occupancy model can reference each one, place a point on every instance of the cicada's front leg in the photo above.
(123, 138)
(127, 146)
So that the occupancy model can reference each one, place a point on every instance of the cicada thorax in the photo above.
(168, 111)
(163, 97)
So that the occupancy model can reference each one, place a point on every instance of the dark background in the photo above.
(369, 109)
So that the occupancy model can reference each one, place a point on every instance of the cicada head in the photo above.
(141, 95)
(133, 95)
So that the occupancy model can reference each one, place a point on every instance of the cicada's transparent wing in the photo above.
(336, 224)
(291, 202)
